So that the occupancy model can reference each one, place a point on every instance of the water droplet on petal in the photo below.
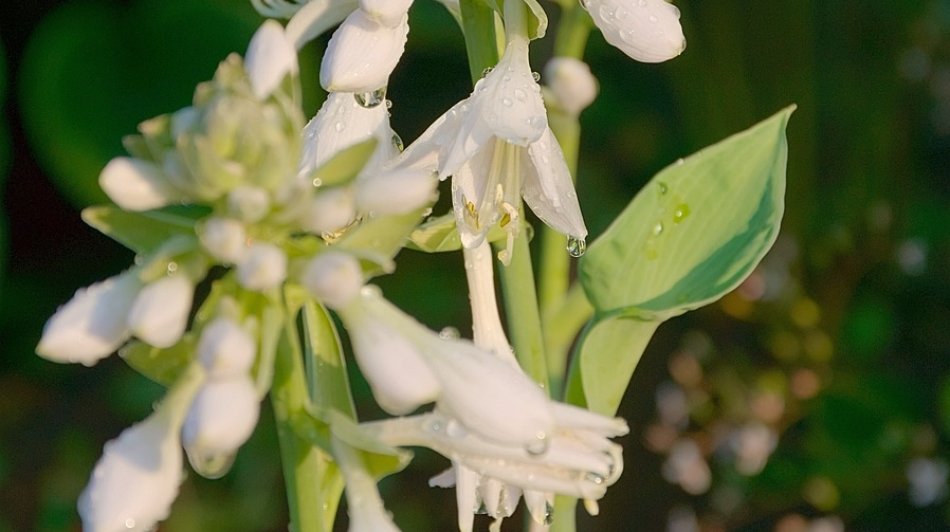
(594, 478)
(520, 94)
(548, 514)
(172, 267)
(539, 446)
(449, 333)
(536, 77)
(397, 142)
(454, 429)
(507, 102)
(339, 126)
(576, 246)
(487, 71)
(371, 290)
(372, 99)
(129, 523)
(317, 182)
(210, 466)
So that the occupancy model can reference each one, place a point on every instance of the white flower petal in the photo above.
(270, 57)
(648, 30)
(571, 82)
(396, 191)
(160, 312)
(316, 17)
(509, 99)
(466, 496)
(538, 505)
(221, 418)
(549, 190)
(423, 153)
(329, 211)
(387, 12)
(333, 277)
(462, 137)
(136, 480)
(92, 324)
(137, 185)
(362, 54)
(263, 267)
(225, 349)
(224, 239)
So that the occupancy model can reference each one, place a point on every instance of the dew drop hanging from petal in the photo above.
(372, 99)
(210, 466)
(576, 246)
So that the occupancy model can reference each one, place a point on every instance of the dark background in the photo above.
(845, 325)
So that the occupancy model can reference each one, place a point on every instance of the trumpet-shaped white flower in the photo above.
(220, 419)
(270, 57)
(498, 146)
(363, 52)
(262, 267)
(646, 30)
(225, 349)
(571, 83)
(160, 312)
(93, 323)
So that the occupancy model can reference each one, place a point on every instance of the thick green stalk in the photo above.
(572, 32)
(561, 326)
(303, 464)
(481, 43)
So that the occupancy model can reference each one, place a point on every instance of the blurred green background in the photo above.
(816, 395)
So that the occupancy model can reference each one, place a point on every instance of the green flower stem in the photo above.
(565, 514)
(572, 32)
(303, 464)
(561, 326)
(481, 42)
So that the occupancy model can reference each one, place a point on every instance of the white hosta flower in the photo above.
(571, 83)
(224, 239)
(329, 210)
(362, 53)
(92, 325)
(225, 349)
(249, 204)
(578, 459)
(271, 56)
(407, 365)
(396, 191)
(497, 144)
(474, 491)
(221, 418)
(262, 267)
(646, 30)
(341, 123)
(333, 277)
(160, 312)
(137, 185)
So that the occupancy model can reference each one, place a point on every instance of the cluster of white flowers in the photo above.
(272, 187)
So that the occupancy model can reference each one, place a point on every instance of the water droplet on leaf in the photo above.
(680, 213)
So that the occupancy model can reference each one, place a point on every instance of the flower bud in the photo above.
(571, 82)
(395, 192)
(226, 349)
(224, 239)
(270, 57)
(328, 211)
(333, 277)
(160, 312)
(221, 418)
(92, 324)
(387, 12)
(362, 54)
(136, 185)
(249, 204)
(263, 266)
(648, 31)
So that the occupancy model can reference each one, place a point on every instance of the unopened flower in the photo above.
(646, 30)
(363, 52)
(224, 239)
(571, 84)
(333, 277)
(93, 323)
(498, 146)
(396, 191)
(270, 57)
(328, 211)
(262, 267)
(225, 349)
(221, 418)
(160, 312)
(137, 185)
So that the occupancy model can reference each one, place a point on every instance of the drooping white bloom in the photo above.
(333, 277)
(407, 365)
(571, 83)
(225, 349)
(340, 123)
(160, 312)
(646, 30)
(137, 185)
(395, 191)
(270, 57)
(224, 238)
(262, 267)
(497, 144)
(362, 53)
(92, 324)
(221, 418)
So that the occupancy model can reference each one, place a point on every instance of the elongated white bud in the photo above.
(396, 192)
(263, 266)
(330, 210)
(646, 30)
(221, 418)
(137, 185)
(362, 54)
(160, 312)
(224, 239)
(571, 82)
(92, 324)
(335, 278)
(270, 57)
(226, 349)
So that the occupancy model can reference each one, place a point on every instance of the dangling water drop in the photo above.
(487, 71)
(594, 478)
(372, 99)
(576, 246)
(172, 267)
(536, 77)
(449, 333)
(548, 514)
(397, 142)
(213, 466)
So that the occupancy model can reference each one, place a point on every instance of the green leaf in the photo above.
(142, 232)
(344, 166)
(377, 240)
(325, 364)
(696, 230)
(692, 234)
